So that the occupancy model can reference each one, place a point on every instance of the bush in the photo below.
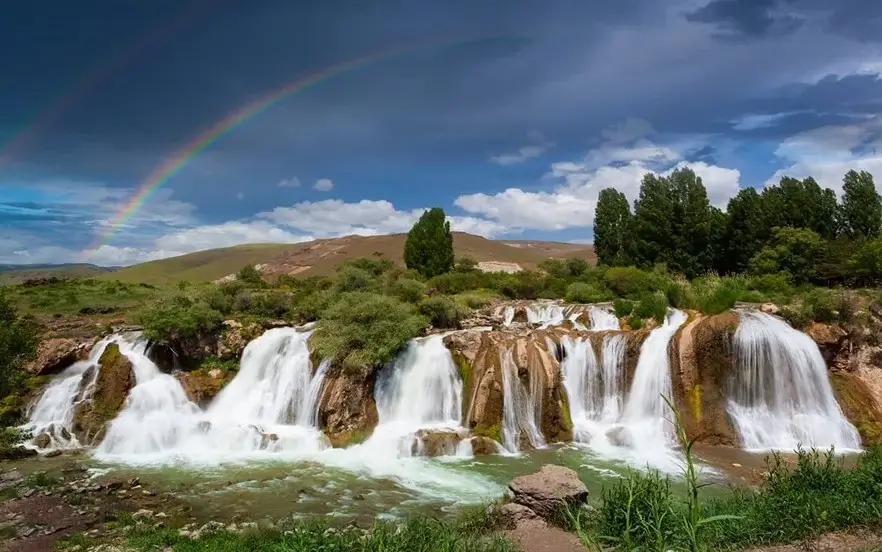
(626, 281)
(475, 299)
(456, 282)
(363, 331)
(177, 318)
(353, 278)
(622, 307)
(374, 267)
(442, 311)
(793, 251)
(310, 306)
(18, 346)
(652, 305)
(772, 283)
(250, 275)
(244, 301)
(714, 295)
(465, 264)
(866, 264)
(680, 295)
(218, 300)
(635, 322)
(580, 292)
(408, 290)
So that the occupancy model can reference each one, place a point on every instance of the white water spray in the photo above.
(519, 407)
(545, 314)
(779, 395)
(602, 319)
(53, 413)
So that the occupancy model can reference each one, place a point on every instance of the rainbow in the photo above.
(92, 78)
(173, 164)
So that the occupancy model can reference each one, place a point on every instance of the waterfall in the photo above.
(53, 412)
(270, 406)
(646, 415)
(519, 407)
(779, 394)
(545, 314)
(594, 389)
(420, 390)
(602, 319)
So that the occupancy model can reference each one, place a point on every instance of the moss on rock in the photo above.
(112, 386)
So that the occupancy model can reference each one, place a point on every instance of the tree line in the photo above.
(795, 228)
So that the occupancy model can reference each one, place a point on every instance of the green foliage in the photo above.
(476, 299)
(581, 292)
(375, 267)
(793, 251)
(429, 245)
(353, 278)
(10, 440)
(622, 307)
(472, 531)
(457, 282)
(442, 311)
(250, 275)
(714, 295)
(365, 330)
(866, 264)
(746, 232)
(309, 306)
(635, 322)
(802, 204)
(860, 215)
(772, 283)
(626, 281)
(408, 290)
(18, 346)
(612, 224)
(177, 318)
(652, 305)
(465, 264)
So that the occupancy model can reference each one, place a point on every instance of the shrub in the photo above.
(250, 275)
(456, 282)
(793, 251)
(626, 281)
(244, 301)
(622, 307)
(218, 300)
(772, 283)
(866, 264)
(680, 295)
(465, 264)
(307, 307)
(353, 278)
(408, 290)
(442, 311)
(363, 331)
(635, 322)
(232, 287)
(374, 267)
(580, 292)
(178, 318)
(18, 346)
(475, 299)
(652, 305)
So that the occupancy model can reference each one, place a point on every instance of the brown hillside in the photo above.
(555, 250)
(321, 257)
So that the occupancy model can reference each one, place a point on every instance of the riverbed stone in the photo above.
(545, 491)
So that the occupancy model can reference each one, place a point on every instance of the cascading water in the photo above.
(519, 407)
(602, 319)
(53, 412)
(779, 394)
(645, 415)
(421, 390)
(545, 314)
(593, 388)
(269, 406)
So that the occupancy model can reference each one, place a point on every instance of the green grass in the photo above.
(83, 296)
(470, 532)
(19, 275)
(204, 266)
(795, 503)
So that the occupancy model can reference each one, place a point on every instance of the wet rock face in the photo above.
(54, 355)
(115, 380)
(203, 386)
(830, 339)
(347, 411)
(434, 443)
(543, 491)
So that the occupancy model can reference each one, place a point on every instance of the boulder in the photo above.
(484, 446)
(234, 337)
(347, 411)
(115, 380)
(544, 491)
(434, 443)
(830, 339)
(201, 386)
(516, 515)
(43, 440)
(54, 355)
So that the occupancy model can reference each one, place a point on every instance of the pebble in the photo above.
(28, 493)
(26, 532)
(142, 514)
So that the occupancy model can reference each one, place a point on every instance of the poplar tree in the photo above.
(429, 245)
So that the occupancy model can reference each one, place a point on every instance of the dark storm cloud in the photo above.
(747, 18)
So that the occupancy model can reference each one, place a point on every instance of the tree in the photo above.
(653, 233)
(793, 251)
(866, 264)
(612, 221)
(860, 216)
(795, 203)
(429, 245)
(746, 232)
(18, 346)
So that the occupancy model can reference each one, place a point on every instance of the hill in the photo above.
(14, 274)
(321, 257)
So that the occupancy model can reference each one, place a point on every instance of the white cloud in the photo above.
(323, 184)
(827, 153)
(334, 217)
(620, 162)
(292, 182)
(759, 120)
(530, 151)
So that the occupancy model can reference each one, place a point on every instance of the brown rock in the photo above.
(434, 443)
(54, 355)
(545, 491)
(234, 337)
(202, 387)
(830, 339)
(43, 440)
(347, 411)
(515, 515)
(114, 381)
(484, 446)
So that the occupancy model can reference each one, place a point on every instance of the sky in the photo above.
(511, 115)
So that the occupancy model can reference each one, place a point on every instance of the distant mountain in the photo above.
(321, 257)
(14, 274)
